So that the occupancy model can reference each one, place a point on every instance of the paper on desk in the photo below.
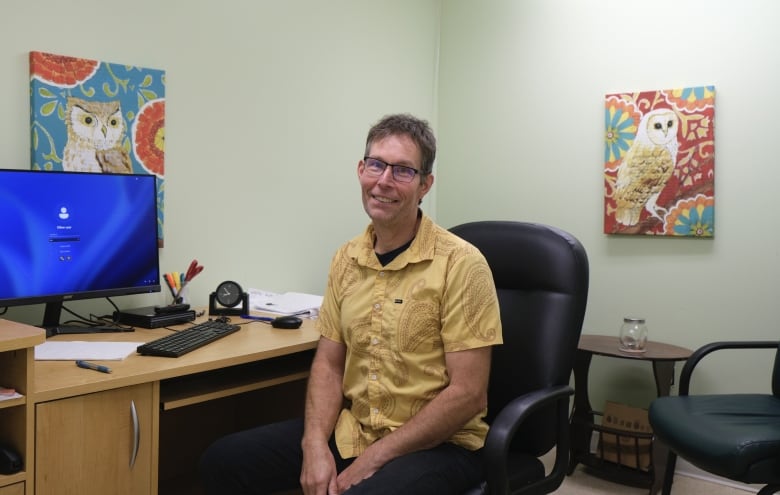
(71, 351)
(289, 303)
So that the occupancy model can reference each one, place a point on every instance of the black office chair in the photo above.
(541, 275)
(735, 436)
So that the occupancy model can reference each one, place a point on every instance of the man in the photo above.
(398, 385)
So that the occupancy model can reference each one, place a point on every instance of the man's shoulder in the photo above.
(452, 245)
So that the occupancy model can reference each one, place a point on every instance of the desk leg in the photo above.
(664, 378)
(582, 414)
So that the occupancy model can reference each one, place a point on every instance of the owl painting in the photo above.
(646, 167)
(95, 132)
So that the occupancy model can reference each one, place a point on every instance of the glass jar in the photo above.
(633, 335)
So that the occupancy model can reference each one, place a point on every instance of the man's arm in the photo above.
(324, 401)
(461, 400)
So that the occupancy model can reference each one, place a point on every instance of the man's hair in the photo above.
(406, 125)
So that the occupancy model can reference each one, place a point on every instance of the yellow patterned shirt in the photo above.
(397, 322)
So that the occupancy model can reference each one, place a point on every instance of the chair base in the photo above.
(769, 489)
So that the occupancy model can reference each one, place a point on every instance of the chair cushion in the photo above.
(736, 436)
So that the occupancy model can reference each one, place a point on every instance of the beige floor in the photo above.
(581, 483)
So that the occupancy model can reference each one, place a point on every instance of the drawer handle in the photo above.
(136, 433)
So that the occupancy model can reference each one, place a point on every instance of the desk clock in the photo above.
(226, 299)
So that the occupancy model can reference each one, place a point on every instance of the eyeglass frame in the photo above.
(394, 167)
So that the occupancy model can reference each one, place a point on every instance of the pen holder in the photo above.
(182, 296)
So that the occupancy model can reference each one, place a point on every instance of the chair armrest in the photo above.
(503, 428)
(701, 352)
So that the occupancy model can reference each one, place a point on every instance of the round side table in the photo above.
(663, 358)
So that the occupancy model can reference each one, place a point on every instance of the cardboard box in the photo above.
(632, 420)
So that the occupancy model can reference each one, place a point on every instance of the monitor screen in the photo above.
(73, 235)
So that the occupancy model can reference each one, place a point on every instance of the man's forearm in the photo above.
(324, 400)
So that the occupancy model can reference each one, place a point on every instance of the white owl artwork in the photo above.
(646, 167)
(96, 131)
(659, 162)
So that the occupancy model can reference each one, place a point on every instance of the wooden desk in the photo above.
(85, 438)
(16, 414)
(663, 358)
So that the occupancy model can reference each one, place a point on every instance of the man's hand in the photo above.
(318, 474)
(364, 466)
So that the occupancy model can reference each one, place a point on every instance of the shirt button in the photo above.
(381, 274)
(374, 410)
(374, 340)
(377, 306)
(372, 376)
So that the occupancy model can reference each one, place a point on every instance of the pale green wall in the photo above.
(268, 103)
(267, 108)
(521, 125)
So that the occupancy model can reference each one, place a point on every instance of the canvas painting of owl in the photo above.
(92, 116)
(96, 131)
(659, 163)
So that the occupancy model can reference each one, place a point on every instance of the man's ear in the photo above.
(426, 185)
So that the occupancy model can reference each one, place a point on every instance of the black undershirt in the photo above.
(389, 256)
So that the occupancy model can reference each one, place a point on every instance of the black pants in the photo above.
(268, 459)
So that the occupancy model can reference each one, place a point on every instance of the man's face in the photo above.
(388, 202)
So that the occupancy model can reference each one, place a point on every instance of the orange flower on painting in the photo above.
(692, 99)
(60, 70)
(149, 137)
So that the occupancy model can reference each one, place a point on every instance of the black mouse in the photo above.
(288, 322)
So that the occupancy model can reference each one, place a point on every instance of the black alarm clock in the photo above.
(229, 300)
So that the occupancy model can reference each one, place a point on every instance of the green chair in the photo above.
(735, 436)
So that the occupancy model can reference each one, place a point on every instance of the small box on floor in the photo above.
(627, 449)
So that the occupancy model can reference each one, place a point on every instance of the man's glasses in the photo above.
(376, 168)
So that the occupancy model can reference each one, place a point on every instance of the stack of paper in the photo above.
(60, 351)
(289, 303)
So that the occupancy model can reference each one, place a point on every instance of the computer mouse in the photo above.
(288, 322)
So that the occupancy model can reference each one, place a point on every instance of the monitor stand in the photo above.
(51, 315)
(51, 323)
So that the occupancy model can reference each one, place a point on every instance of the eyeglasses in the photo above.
(401, 173)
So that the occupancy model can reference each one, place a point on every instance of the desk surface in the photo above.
(255, 341)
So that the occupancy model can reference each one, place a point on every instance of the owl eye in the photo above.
(658, 125)
(669, 124)
(113, 122)
(88, 120)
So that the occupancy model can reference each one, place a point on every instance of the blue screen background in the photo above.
(105, 239)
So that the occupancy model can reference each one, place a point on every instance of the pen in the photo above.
(171, 284)
(92, 366)
(266, 319)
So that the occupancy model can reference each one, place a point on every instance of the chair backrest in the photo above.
(541, 276)
(776, 374)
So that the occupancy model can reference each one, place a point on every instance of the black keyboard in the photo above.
(180, 343)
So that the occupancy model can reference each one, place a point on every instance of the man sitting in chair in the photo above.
(398, 386)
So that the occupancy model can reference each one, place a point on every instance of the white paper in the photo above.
(71, 351)
(8, 394)
(289, 303)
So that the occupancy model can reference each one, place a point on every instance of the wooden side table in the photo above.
(663, 358)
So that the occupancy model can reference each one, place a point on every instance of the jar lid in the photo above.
(633, 320)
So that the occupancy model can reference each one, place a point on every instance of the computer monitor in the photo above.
(73, 235)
